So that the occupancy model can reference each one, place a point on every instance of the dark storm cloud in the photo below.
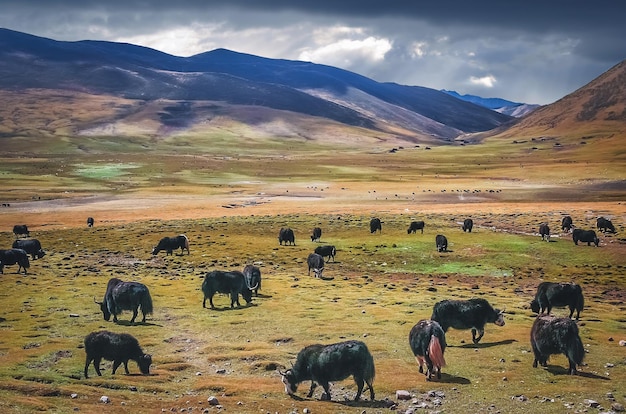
(533, 51)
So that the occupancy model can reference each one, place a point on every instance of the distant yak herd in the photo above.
(322, 364)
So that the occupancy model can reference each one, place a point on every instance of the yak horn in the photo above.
(94, 299)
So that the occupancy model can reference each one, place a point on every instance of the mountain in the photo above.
(514, 109)
(141, 74)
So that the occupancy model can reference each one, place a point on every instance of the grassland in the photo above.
(231, 197)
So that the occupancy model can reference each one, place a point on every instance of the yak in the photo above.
(169, 244)
(30, 246)
(467, 314)
(414, 226)
(544, 231)
(121, 296)
(21, 230)
(14, 256)
(441, 242)
(317, 234)
(428, 343)
(550, 335)
(119, 348)
(585, 236)
(253, 277)
(286, 235)
(468, 225)
(322, 364)
(90, 221)
(315, 262)
(232, 283)
(558, 295)
(326, 251)
(604, 225)
(376, 225)
(567, 223)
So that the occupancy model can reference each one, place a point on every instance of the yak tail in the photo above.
(186, 242)
(146, 303)
(369, 372)
(436, 352)
(575, 350)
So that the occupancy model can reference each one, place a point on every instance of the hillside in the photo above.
(129, 72)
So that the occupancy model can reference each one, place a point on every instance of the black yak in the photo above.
(253, 277)
(30, 246)
(544, 231)
(317, 234)
(286, 235)
(566, 223)
(466, 314)
(550, 335)
(415, 226)
(119, 348)
(326, 251)
(121, 296)
(169, 244)
(232, 283)
(468, 225)
(14, 256)
(428, 343)
(315, 262)
(585, 236)
(90, 221)
(322, 364)
(558, 295)
(441, 242)
(376, 225)
(21, 230)
(604, 225)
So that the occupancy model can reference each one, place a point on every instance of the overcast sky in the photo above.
(532, 51)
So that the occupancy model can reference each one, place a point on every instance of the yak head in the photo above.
(40, 253)
(104, 308)
(144, 363)
(289, 380)
(500, 320)
(534, 306)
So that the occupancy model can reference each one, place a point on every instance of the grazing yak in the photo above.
(326, 251)
(253, 277)
(119, 348)
(376, 225)
(322, 364)
(30, 246)
(567, 224)
(441, 242)
(466, 314)
(558, 295)
(90, 221)
(21, 230)
(286, 235)
(315, 262)
(585, 236)
(415, 226)
(428, 343)
(232, 283)
(468, 225)
(604, 225)
(317, 234)
(550, 335)
(544, 231)
(121, 296)
(14, 256)
(169, 244)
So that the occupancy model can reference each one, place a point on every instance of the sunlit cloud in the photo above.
(487, 81)
(346, 51)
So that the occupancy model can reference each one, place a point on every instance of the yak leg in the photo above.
(234, 298)
(116, 365)
(204, 302)
(572, 367)
(360, 383)
(313, 385)
(326, 395)
(369, 384)
(475, 338)
(87, 362)
(420, 361)
(96, 365)
(135, 314)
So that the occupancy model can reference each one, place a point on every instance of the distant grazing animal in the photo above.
(253, 277)
(415, 226)
(605, 225)
(169, 244)
(14, 256)
(121, 296)
(468, 224)
(544, 231)
(119, 348)
(21, 230)
(315, 262)
(558, 295)
(376, 225)
(286, 235)
(428, 343)
(232, 283)
(466, 314)
(442, 243)
(550, 335)
(90, 221)
(326, 251)
(567, 223)
(322, 364)
(317, 234)
(585, 236)
(30, 246)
